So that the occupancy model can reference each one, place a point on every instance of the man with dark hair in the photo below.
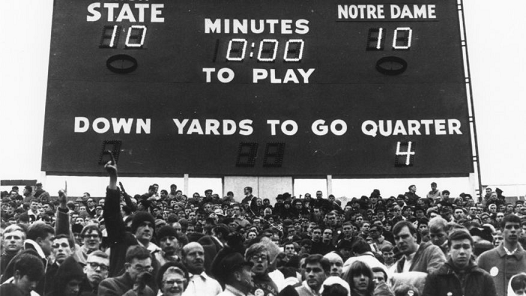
(236, 276)
(410, 196)
(28, 193)
(171, 243)
(40, 239)
(460, 275)
(508, 259)
(317, 269)
(96, 270)
(249, 202)
(138, 268)
(28, 270)
(142, 227)
(424, 257)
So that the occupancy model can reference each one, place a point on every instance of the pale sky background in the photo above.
(497, 61)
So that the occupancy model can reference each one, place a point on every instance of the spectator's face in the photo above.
(194, 258)
(327, 234)
(438, 238)
(34, 206)
(251, 235)
(378, 278)
(388, 256)
(144, 231)
(96, 269)
(336, 266)
(13, 241)
(360, 282)
(458, 214)
(500, 217)
(315, 275)
(289, 250)
(497, 238)
(61, 249)
(25, 284)
(511, 232)
(260, 261)
(47, 243)
(405, 241)
(137, 266)
(460, 252)
(374, 232)
(422, 227)
(173, 284)
(91, 240)
(347, 230)
(316, 234)
(101, 202)
(46, 207)
(365, 227)
(169, 245)
(79, 220)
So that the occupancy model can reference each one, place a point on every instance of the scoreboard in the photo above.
(308, 88)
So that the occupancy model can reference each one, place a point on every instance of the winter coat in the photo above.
(474, 282)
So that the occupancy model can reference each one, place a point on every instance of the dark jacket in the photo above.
(121, 285)
(474, 282)
(69, 270)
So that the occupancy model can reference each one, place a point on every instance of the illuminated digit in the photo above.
(407, 153)
(294, 50)
(136, 33)
(109, 35)
(403, 41)
(375, 39)
(267, 48)
(246, 156)
(236, 50)
(274, 155)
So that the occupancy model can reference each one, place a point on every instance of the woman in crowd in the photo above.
(172, 279)
(360, 279)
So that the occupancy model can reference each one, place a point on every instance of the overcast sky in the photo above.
(496, 56)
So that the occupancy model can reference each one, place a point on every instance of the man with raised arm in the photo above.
(119, 239)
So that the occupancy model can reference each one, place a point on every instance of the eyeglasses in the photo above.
(96, 265)
(259, 257)
(175, 282)
(141, 268)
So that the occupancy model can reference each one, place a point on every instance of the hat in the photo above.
(159, 222)
(231, 262)
(139, 218)
(38, 184)
(166, 231)
(332, 280)
(219, 212)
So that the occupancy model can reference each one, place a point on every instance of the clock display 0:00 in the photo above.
(267, 51)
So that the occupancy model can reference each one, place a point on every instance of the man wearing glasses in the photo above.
(258, 254)
(138, 268)
(96, 271)
(508, 259)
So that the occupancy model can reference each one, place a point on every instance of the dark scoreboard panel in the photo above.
(261, 87)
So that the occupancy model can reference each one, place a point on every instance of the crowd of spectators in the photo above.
(165, 243)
